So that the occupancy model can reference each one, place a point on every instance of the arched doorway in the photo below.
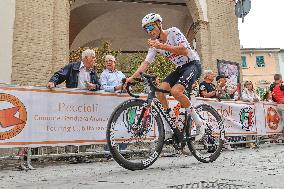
(92, 22)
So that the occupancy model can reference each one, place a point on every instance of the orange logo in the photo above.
(13, 119)
(272, 118)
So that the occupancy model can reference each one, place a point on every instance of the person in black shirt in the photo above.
(206, 88)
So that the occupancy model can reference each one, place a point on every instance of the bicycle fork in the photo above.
(144, 114)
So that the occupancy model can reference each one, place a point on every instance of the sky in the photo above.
(264, 25)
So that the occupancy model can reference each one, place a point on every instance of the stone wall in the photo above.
(40, 40)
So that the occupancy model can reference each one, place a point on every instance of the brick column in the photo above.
(200, 32)
(224, 33)
(40, 41)
(217, 38)
(60, 34)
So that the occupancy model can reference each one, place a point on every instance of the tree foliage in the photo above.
(127, 63)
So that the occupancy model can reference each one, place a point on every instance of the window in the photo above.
(260, 61)
(244, 62)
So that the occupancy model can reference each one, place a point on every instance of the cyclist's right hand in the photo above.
(129, 80)
(50, 85)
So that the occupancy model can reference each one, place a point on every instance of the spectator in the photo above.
(277, 93)
(111, 78)
(277, 89)
(111, 81)
(206, 88)
(223, 91)
(249, 94)
(81, 74)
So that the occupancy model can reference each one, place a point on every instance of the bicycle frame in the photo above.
(204, 146)
(152, 100)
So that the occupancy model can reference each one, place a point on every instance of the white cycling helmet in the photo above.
(151, 17)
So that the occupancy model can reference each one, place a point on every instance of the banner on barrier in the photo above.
(40, 117)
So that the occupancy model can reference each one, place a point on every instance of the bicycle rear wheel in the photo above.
(141, 129)
(210, 146)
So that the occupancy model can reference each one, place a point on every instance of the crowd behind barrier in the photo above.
(37, 117)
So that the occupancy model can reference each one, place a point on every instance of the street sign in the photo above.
(242, 8)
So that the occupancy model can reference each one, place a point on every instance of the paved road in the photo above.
(244, 168)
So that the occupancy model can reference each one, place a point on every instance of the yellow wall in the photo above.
(253, 72)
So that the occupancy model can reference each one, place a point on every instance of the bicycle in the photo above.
(140, 124)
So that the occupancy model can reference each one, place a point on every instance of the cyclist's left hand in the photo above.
(128, 80)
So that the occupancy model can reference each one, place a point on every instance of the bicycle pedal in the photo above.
(169, 141)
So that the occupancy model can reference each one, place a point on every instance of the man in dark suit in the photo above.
(78, 74)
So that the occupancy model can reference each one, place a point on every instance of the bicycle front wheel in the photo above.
(140, 129)
(210, 146)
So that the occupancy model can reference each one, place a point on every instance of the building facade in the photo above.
(281, 61)
(44, 31)
(260, 64)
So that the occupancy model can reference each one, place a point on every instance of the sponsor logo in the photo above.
(202, 87)
(151, 159)
(273, 118)
(246, 118)
(147, 121)
(13, 116)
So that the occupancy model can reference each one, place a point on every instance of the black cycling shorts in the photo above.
(185, 75)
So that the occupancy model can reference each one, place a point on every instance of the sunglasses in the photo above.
(149, 28)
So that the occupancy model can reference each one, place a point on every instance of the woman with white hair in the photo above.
(249, 94)
(206, 88)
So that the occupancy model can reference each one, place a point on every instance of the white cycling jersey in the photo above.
(175, 38)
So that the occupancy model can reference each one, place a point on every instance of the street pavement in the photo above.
(242, 168)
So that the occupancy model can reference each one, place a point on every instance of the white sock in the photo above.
(192, 112)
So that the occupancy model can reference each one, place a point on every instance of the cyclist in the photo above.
(172, 44)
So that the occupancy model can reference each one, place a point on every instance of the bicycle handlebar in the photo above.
(150, 79)
(127, 88)
(147, 79)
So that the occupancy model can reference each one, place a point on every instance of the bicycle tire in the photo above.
(208, 149)
(133, 158)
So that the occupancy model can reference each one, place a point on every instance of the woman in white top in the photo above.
(248, 93)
